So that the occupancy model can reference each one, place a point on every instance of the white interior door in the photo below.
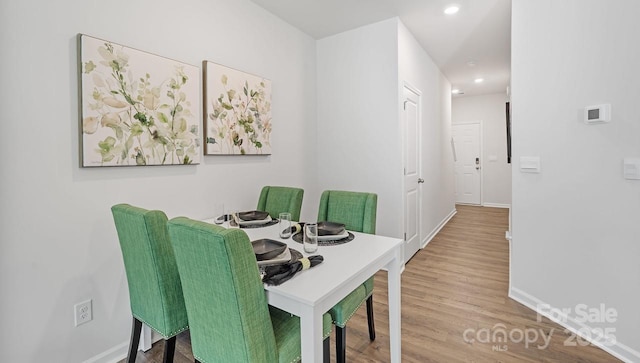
(412, 180)
(466, 140)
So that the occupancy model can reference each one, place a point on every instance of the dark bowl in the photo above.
(266, 249)
(330, 228)
(254, 215)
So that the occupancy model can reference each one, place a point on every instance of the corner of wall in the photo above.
(425, 241)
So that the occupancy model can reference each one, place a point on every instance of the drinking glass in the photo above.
(310, 237)
(285, 225)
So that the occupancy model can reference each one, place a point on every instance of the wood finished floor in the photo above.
(458, 282)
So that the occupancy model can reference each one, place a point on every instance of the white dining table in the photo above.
(311, 293)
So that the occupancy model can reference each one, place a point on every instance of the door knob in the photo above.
(420, 180)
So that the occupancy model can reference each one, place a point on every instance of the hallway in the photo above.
(459, 283)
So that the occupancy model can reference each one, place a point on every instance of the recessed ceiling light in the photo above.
(478, 80)
(471, 63)
(456, 91)
(451, 9)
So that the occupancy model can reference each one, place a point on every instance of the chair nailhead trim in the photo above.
(353, 313)
(172, 334)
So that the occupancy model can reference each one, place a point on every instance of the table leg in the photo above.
(311, 334)
(145, 338)
(394, 270)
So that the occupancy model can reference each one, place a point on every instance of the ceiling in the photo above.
(474, 43)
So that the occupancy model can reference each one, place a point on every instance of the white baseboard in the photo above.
(616, 349)
(435, 231)
(120, 351)
(496, 205)
(113, 355)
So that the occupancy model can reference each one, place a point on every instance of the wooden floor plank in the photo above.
(458, 282)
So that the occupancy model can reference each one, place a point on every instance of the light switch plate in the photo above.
(632, 168)
(530, 164)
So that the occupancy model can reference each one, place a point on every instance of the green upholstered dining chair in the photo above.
(229, 318)
(358, 213)
(155, 291)
(276, 200)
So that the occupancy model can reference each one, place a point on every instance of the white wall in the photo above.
(490, 109)
(417, 69)
(361, 74)
(575, 225)
(358, 135)
(58, 243)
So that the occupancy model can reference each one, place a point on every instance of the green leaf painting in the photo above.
(237, 112)
(137, 108)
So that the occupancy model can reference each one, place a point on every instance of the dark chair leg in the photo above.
(326, 351)
(341, 344)
(372, 327)
(169, 349)
(136, 329)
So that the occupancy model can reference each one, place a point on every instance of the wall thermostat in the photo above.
(597, 114)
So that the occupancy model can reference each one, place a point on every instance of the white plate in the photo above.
(252, 223)
(283, 257)
(334, 237)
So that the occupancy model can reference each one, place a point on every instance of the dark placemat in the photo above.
(298, 238)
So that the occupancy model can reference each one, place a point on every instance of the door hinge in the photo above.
(404, 105)
(405, 236)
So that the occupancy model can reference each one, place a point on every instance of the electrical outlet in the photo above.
(82, 312)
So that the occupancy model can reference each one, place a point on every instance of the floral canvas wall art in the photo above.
(137, 108)
(237, 112)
